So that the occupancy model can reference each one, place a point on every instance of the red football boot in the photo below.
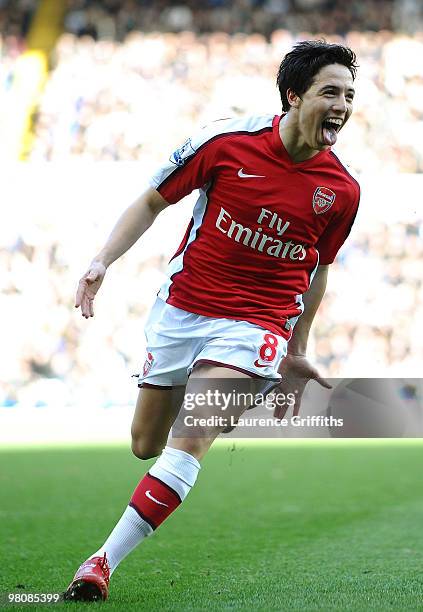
(91, 581)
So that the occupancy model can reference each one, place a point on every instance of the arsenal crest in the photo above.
(323, 199)
(147, 364)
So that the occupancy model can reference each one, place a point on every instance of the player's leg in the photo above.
(169, 480)
(196, 438)
(164, 375)
(245, 371)
(163, 488)
(155, 412)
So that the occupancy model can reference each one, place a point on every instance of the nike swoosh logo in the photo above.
(260, 365)
(242, 174)
(148, 494)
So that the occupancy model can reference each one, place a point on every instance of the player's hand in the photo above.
(296, 371)
(88, 286)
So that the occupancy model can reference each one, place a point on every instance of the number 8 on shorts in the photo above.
(268, 350)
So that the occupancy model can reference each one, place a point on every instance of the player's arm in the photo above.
(295, 369)
(173, 181)
(130, 226)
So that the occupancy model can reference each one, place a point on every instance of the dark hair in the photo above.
(299, 67)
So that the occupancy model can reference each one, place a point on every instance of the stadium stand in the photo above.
(116, 18)
(106, 100)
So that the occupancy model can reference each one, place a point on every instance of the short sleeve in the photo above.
(190, 167)
(336, 233)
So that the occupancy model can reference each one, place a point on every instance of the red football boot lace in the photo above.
(104, 564)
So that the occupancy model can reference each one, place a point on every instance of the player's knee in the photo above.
(197, 447)
(144, 449)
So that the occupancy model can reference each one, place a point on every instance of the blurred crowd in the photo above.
(15, 20)
(119, 89)
(10, 49)
(107, 100)
(114, 19)
(371, 322)
(60, 360)
(16, 17)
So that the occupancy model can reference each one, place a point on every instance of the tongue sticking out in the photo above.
(329, 135)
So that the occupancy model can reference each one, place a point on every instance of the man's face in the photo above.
(325, 107)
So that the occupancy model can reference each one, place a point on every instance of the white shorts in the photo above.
(177, 340)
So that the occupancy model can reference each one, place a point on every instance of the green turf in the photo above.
(288, 527)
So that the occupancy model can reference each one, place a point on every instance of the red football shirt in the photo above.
(260, 226)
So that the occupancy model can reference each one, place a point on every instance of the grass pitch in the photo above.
(304, 526)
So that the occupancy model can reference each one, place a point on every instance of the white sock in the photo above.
(176, 469)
